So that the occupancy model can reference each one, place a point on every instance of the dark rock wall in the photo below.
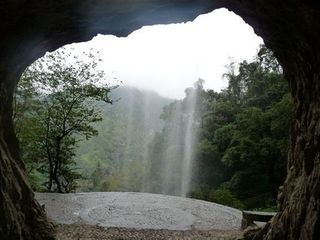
(21, 217)
(291, 28)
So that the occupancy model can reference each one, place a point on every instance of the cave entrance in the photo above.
(286, 27)
(168, 60)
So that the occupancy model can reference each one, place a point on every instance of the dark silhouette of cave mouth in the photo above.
(289, 28)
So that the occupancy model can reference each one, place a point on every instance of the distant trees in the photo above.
(55, 104)
(119, 153)
(240, 152)
(244, 139)
(243, 135)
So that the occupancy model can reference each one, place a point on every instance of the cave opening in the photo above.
(289, 32)
(171, 60)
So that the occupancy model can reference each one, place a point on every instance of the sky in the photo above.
(170, 58)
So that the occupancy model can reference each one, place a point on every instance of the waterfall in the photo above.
(180, 135)
(166, 168)
(189, 141)
(171, 159)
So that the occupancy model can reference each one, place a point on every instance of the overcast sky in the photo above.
(170, 58)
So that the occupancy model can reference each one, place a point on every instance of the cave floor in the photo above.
(141, 211)
(91, 232)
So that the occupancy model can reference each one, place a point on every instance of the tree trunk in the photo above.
(57, 165)
(21, 215)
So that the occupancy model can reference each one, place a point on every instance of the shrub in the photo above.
(225, 197)
(200, 192)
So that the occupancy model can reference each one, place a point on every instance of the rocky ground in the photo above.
(139, 211)
(139, 216)
(89, 232)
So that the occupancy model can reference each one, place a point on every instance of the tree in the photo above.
(245, 133)
(62, 108)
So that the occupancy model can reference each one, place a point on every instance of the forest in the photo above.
(77, 133)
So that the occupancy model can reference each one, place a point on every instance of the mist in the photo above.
(170, 58)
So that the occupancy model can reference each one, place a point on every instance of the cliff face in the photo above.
(290, 28)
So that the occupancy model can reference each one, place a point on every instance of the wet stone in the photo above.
(139, 211)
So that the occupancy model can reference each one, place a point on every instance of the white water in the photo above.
(177, 157)
(177, 162)
(188, 147)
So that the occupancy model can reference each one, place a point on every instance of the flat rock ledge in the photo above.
(140, 212)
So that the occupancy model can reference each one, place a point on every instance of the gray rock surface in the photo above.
(139, 211)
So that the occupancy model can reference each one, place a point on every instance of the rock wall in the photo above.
(291, 28)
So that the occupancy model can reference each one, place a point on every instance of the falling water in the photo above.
(139, 123)
(177, 160)
(148, 112)
(188, 146)
(171, 159)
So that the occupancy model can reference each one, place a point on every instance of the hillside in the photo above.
(121, 144)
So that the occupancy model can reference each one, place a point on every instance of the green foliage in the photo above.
(130, 178)
(225, 197)
(54, 109)
(221, 195)
(245, 134)
(115, 160)
(240, 138)
(200, 192)
(242, 133)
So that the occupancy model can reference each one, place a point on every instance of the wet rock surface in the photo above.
(139, 211)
